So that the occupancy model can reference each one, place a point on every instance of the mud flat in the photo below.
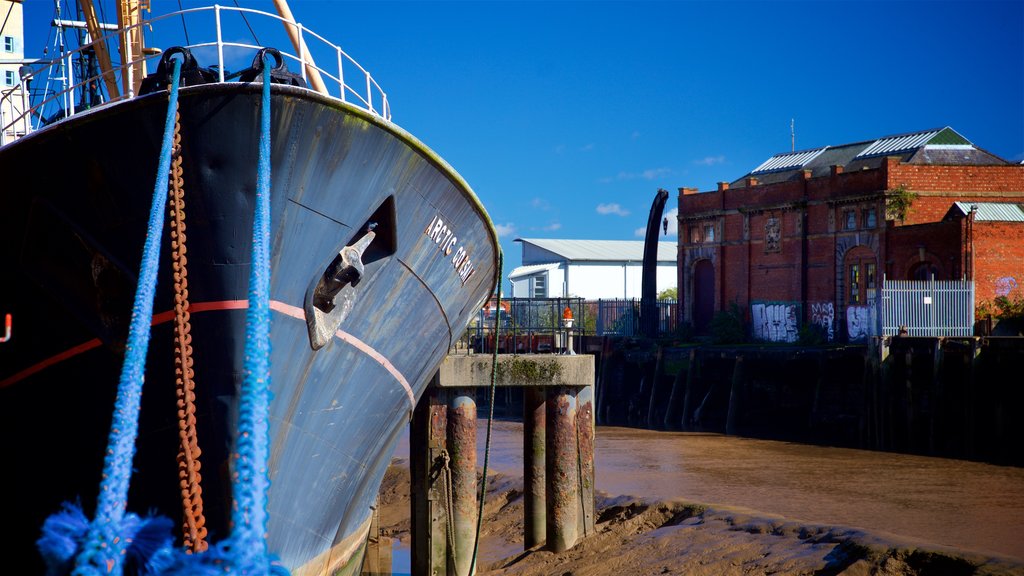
(665, 536)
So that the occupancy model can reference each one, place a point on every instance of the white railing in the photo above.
(368, 95)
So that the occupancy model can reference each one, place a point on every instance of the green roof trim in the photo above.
(948, 137)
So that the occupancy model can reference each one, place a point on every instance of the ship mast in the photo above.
(300, 46)
(92, 22)
(129, 15)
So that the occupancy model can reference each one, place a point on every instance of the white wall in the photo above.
(594, 280)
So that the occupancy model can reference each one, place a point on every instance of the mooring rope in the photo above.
(106, 540)
(245, 550)
(251, 478)
(490, 411)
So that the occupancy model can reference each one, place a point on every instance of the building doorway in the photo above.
(861, 276)
(703, 294)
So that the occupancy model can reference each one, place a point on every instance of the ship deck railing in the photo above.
(25, 108)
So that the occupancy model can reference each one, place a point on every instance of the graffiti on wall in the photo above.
(823, 315)
(1005, 285)
(775, 322)
(858, 322)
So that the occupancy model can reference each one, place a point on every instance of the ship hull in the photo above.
(73, 225)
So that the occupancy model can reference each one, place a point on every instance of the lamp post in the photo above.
(567, 322)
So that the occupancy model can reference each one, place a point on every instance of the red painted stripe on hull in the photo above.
(167, 316)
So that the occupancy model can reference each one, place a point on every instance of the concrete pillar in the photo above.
(562, 475)
(462, 450)
(534, 437)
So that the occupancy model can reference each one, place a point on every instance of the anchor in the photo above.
(332, 295)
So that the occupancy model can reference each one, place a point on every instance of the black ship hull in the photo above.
(73, 220)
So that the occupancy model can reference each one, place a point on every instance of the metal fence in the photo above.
(928, 308)
(622, 317)
(536, 325)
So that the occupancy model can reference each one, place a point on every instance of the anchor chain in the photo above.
(194, 523)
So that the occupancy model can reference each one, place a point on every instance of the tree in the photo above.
(669, 294)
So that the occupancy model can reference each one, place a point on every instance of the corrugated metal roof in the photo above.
(993, 211)
(788, 161)
(531, 269)
(894, 144)
(603, 250)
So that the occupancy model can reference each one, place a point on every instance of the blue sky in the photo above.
(567, 117)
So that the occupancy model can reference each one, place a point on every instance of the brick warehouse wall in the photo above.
(998, 259)
(801, 277)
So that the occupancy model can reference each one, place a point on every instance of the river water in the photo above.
(966, 505)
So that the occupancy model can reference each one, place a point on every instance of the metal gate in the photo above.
(928, 307)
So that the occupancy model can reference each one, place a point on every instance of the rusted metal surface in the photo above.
(534, 449)
(189, 477)
(585, 458)
(562, 479)
(462, 449)
(427, 441)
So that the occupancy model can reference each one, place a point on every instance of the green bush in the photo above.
(727, 327)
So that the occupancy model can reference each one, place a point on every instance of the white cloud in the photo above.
(710, 160)
(540, 204)
(612, 208)
(587, 147)
(552, 227)
(503, 230)
(649, 174)
(673, 227)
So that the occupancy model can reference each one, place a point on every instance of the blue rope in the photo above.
(245, 551)
(251, 479)
(106, 540)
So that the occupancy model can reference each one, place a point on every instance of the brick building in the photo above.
(807, 237)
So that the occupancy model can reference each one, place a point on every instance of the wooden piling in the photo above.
(675, 396)
(732, 416)
(691, 371)
(427, 440)
(562, 481)
(534, 438)
(462, 451)
(652, 400)
(936, 402)
(972, 395)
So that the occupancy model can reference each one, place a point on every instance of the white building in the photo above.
(589, 269)
(12, 56)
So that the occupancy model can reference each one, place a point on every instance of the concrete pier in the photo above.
(558, 455)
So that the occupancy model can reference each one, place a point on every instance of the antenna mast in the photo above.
(792, 134)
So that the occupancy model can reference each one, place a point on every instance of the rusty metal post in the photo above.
(562, 475)
(462, 449)
(585, 458)
(534, 416)
(427, 439)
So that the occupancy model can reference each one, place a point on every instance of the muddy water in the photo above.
(966, 505)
